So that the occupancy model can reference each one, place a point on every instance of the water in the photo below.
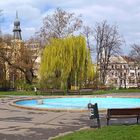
(81, 103)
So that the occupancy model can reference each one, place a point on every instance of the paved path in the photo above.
(23, 124)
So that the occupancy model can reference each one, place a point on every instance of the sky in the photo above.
(124, 13)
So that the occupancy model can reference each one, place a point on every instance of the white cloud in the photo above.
(126, 14)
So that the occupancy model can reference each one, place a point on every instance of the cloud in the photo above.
(126, 14)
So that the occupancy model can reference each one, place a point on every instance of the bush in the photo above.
(21, 85)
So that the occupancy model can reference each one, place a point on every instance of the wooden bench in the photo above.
(72, 92)
(123, 113)
(52, 91)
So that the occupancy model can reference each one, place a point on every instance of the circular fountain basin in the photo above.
(77, 103)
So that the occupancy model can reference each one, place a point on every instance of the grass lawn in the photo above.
(98, 92)
(117, 91)
(22, 93)
(130, 132)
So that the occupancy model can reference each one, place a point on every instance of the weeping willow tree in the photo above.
(66, 62)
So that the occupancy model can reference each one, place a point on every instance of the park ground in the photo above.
(23, 124)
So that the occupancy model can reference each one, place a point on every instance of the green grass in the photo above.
(26, 93)
(21, 93)
(131, 132)
(98, 92)
(117, 91)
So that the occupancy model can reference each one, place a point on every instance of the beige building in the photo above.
(123, 72)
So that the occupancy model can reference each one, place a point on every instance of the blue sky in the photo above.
(124, 13)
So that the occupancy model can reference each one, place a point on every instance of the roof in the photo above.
(128, 59)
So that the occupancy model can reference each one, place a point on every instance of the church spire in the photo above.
(17, 30)
(16, 14)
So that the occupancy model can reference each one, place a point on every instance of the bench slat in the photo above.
(123, 116)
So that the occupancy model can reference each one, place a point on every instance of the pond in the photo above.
(79, 103)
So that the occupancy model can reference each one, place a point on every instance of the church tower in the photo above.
(17, 30)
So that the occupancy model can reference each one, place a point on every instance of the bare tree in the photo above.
(135, 55)
(88, 33)
(135, 52)
(58, 25)
(108, 42)
(7, 38)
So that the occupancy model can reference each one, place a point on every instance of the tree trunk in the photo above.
(69, 82)
(29, 76)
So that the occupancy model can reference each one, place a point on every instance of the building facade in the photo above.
(123, 72)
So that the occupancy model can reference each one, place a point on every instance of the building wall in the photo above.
(123, 72)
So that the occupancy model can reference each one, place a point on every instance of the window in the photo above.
(112, 66)
(131, 74)
(131, 81)
(131, 67)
